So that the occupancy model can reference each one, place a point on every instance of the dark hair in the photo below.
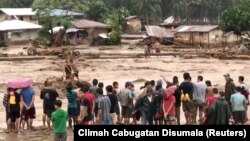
(69, 86)
(95, 82)
(200, 78)
(241, 78)
(11, 89)
(158, 87)
(222, 94)
(85, 88)
(175, 80)
(100, 85)
(186, 76)
(79, 84)
(115, 83)
(238, 88)
(208, 83)
(109, 89)
(215, 90)
(147, 83)
(58, 103)
(99, 91)
(152, 82)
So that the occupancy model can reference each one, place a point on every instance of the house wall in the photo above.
(4, 17)
(18, 37)
(232, 38)
(215, 36)
(202, 39)
(92, 33)
(134, 26)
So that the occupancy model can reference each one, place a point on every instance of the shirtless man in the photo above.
(157, 46)
(209, 90)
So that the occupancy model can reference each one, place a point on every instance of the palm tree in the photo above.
(148, 8)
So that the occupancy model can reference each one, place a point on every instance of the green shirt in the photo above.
(59, 119)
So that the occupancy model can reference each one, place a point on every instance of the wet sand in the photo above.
(109, 70)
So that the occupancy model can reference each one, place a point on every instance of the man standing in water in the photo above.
(229, 87)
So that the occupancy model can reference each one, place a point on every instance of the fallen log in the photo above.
(27, 58)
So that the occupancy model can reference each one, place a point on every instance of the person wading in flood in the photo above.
(71, 70)
(157, 46)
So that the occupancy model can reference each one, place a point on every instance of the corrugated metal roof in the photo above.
(160, 32)
(89, 24)
(69, 30)
(61, 12)
(196, 28)
(11, 25)
(18, 11)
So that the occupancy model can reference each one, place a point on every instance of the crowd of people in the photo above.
(97, 104)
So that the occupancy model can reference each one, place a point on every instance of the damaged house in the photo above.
(166, 35)
(199, 35)
(132, 25)
(92, 28)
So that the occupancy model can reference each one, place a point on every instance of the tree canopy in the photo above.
(187, 11)
(237, 18)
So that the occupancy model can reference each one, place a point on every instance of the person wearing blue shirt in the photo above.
(28, 111)
(239, 104)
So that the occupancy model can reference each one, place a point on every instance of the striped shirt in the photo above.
(72, 103)
(5, 100)
(104, 104)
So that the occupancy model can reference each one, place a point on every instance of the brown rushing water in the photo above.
(109, 70)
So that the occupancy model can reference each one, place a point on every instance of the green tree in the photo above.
(43, 10)
(114, 21)
(237, 18)
(16, 3)
(149, 9)
(96, 10)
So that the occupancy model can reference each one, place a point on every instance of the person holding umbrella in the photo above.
(27, 96)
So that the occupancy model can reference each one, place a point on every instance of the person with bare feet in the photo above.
(48, 95)
(13, 109)
(28, 112)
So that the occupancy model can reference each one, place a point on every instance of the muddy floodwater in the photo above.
(109, 70)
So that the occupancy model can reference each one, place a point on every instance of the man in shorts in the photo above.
(126, 100)
(239, 104)
(188, 106)
(87, 104)
(114, 101)
(28, 112)
(199, 97)
(48, 95)
(14, 109)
